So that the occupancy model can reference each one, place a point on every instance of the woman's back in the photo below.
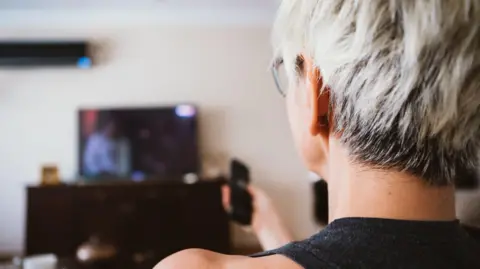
(381, 243)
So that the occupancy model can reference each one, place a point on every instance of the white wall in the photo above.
(223, 70)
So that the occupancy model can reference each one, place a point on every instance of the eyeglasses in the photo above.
(279, 76)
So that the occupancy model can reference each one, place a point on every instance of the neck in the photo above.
(356, 191)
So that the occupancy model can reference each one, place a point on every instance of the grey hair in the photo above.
(404, 77)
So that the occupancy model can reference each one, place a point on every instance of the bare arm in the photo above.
(192, 259)
(274, 236)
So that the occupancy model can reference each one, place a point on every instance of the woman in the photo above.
(384, 103)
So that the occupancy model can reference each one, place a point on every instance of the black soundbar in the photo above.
(37, 54)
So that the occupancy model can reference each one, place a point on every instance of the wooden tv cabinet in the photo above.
(157, 218)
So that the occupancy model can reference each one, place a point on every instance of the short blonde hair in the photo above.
(404, 76)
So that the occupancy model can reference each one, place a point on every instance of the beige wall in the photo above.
(223, 70)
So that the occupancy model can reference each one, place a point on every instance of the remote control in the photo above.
(241, 207)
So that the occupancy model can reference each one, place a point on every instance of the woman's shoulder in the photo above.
(203, 259)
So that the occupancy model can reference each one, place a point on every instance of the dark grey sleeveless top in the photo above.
(385, 244)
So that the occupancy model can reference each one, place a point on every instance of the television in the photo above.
(138, 143)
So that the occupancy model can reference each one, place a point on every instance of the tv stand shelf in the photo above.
(154, 217)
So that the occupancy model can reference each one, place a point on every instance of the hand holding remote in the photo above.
(266, 222)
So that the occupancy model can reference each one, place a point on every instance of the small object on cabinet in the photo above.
(96, 250)
(50, 175)
(46, 261)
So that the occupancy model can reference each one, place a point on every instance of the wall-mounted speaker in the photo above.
(50, 53)
(320, 195)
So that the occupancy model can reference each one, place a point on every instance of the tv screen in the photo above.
(138, 143)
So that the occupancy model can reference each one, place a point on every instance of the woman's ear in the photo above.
(318, 98)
